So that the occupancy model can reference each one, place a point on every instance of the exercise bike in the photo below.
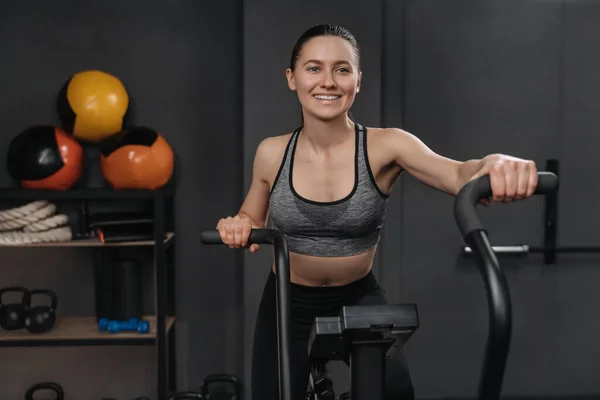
(375, 332)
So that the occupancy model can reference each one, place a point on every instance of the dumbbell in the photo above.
(114, 326)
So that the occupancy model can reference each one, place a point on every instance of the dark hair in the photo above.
(323, 30)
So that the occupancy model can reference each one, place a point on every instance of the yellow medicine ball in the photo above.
(93, 105)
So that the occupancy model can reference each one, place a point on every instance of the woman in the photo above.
(325, 186)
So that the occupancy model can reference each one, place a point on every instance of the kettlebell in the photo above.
(41, 319)
(187, 395)
(221, 379)
(52, 386)
(12, 315)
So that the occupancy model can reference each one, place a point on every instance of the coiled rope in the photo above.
(35, 222)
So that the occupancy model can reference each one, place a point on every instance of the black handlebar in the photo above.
(282, 266)
(498, 294)
(465, 204)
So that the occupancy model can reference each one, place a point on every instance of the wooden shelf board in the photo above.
(82, 329)
(92, 243)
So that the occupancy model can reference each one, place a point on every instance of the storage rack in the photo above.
(83, 331)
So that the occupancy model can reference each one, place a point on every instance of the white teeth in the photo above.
(327, 97)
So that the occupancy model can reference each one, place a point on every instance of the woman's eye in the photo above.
(313, 69)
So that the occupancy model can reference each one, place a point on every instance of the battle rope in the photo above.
(36, 222)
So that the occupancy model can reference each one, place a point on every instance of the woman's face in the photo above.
(326, 77)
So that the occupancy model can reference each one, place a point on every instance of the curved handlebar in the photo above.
(282, 266)
(465, 204)
(257, 236)
(498, 294)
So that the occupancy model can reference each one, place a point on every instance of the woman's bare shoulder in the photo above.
(270, 153)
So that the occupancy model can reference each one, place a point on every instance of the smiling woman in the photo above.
(325, 186)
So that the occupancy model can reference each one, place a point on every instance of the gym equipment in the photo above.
(12, 315)
(360, 332)
(137, 398)
(54, 387)
(127, 290)
(360, 335)
(115, 326)
(228, 380)
(498, 294)
(190, 395)
(282, 263)
(550, 246)
(41, 319)
(498, 298)
(35, 222)
(137, 158)
(93, 105)
(45, 157)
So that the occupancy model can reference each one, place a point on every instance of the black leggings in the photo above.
(306, 304)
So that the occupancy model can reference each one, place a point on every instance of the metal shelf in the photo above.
(17, 193)
(95, 242)
(82, 331)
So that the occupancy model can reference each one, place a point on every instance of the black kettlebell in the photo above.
(40, 319)
(226, 379)
(189, 395)
(52, 386)
(12, 315)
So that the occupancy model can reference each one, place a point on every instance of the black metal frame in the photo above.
(164, 293)
(282, 268)
(496, 287)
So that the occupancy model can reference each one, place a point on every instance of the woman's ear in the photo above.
(290, 78)
(358, 82)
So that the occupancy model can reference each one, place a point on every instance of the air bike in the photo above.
(361, 333)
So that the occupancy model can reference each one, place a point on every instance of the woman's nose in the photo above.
(328, 81)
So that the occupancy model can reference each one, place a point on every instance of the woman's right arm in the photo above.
(235, 230)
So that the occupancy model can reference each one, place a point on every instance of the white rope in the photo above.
(62, 234)
(36, 222)
(19, 212)
(40, 214)
(47, 224)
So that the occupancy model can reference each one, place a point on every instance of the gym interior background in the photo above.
(469, 77)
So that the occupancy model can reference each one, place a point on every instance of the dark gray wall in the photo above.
(181, 61)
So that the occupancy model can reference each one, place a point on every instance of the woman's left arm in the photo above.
(512, 178)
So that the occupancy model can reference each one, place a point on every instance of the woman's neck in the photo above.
(323, 135)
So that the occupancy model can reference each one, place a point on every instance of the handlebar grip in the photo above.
(465, 210)
(257, 236)
(211, 237)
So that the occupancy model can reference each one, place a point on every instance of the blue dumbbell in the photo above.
(103, 324)
(140, 326)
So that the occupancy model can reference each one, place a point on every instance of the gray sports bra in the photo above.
(344, 227)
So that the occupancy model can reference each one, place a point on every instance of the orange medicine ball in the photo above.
(45, 157)
(137, 158)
